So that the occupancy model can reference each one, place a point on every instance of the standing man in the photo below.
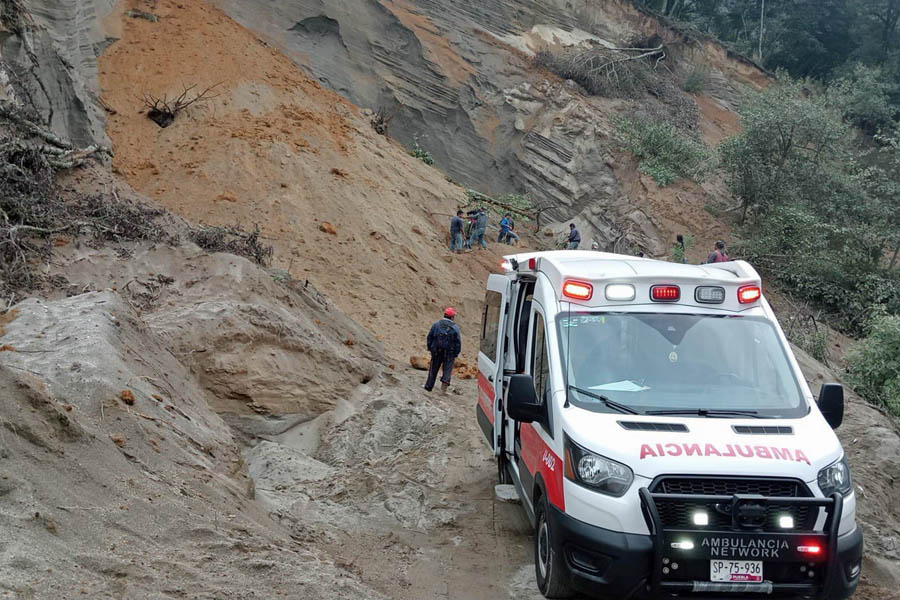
(719, 254)
(456, 232)
(574, 237)
(445, 344)
(479, 229)
(506, 230)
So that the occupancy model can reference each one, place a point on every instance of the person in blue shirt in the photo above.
(479, 229)
(506, 230)
(574, 237)
(456, 232)
(445, 343)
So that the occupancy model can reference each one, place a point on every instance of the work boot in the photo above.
(444, 387)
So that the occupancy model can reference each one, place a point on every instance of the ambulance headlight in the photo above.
(835, 478)
(596, 472)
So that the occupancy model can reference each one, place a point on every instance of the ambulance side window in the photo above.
(490, 324)
(540, 367)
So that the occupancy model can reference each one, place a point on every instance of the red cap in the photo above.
(449, 312)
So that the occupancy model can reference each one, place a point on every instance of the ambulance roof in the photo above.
(600, 268)
(592, 265)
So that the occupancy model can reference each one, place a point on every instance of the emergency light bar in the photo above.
(709, 294)
(748, 294)
(620, 292)
(665, 293)
(578, 290)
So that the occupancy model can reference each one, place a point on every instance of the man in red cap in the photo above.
(445, 344)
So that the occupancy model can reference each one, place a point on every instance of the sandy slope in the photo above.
(276, 149)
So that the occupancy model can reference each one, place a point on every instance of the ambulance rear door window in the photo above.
(490, 324)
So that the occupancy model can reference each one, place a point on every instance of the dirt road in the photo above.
(398, 486)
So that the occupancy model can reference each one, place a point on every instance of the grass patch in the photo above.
(665, 153)
(696, 80)
(875, 364)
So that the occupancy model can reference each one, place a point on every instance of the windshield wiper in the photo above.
(705, 412)
(609, 403)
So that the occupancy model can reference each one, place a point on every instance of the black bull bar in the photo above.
(743, 505)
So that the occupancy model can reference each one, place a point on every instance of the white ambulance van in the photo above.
(660, 433)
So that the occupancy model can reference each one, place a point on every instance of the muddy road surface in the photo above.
(398, 486)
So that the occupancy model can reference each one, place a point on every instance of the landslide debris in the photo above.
(117, 475)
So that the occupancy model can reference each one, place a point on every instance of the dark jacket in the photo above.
(575, 235)
(481, 222)
(455, 345)
(456, 225)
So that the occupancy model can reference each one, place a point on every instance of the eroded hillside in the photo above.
(463, 71)
(180, 424)
(276, 149)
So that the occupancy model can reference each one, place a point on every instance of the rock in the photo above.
(56, 69)
(420, 362)
(506, 492)
(328, 228)
(127, 396)
(464, 370)
(118, 439)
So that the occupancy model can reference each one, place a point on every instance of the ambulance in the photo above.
(660, 434)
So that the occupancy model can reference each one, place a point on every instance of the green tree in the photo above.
(788, 147)
(864, 97)
(882, 181)
(875, 364)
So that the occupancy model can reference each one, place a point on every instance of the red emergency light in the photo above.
(749, 293)
(578, 290)
(810, 549)
(532, 263)
(665, 293)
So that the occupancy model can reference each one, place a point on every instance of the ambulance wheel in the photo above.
(548, 565)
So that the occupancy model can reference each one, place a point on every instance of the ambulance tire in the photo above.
(548, 565)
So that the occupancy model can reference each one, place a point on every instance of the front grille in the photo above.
(763, 429)
(678, 514)
(646, 426)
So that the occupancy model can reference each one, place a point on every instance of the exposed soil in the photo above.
(276, 149)
(192, 425)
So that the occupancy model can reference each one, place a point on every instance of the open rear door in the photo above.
(490, 357)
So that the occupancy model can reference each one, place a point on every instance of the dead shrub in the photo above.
(163, 111)
(233, 240)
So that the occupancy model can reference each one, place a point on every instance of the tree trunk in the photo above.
(894, 258)
(762, 27)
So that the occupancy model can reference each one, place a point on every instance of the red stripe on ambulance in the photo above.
(486, 397)
(539, 457)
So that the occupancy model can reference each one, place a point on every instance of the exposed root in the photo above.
(163, 111)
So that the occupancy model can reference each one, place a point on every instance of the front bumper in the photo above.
(600, 562)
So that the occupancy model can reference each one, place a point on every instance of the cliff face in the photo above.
(458, 77)
(48, 60)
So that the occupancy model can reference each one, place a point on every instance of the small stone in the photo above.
(328, 228)
(127, 396)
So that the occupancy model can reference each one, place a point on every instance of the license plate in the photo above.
(736, 571)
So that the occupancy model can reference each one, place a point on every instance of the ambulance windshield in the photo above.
(683, 363)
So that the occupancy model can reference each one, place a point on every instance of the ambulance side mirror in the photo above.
(522, 402)
(831, 403)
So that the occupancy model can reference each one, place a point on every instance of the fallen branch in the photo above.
(163, 111)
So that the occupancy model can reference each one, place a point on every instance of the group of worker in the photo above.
(444, 339)
(467, 233)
